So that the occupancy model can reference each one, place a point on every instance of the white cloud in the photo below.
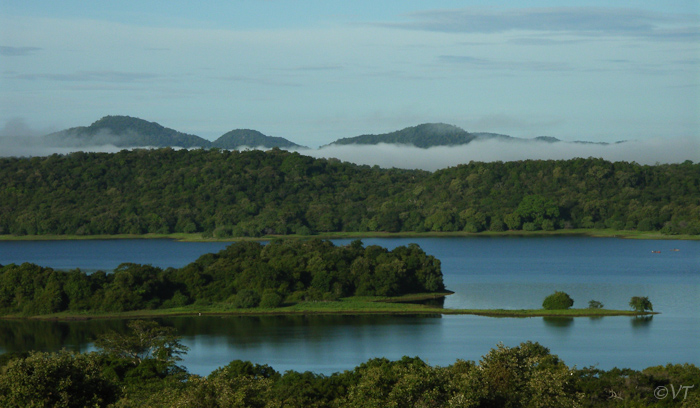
(580, 20)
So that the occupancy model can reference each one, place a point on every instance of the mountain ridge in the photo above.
(424, 135)
(127, 131)
(251, 138)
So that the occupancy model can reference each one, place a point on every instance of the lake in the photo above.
(484, 272)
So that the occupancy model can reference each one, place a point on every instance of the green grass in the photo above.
(347, 306)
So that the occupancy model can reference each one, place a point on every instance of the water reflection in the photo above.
(240, 332)
(642, 321)
(25, 335)
(558, 322)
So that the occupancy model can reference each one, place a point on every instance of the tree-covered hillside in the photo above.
(424, 136)
(125, 131)
(254, 193)
(251, 138)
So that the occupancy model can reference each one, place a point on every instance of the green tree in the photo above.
(145, 340)
(594, 304)
(536, 208)
(270, 299)
(525, 376)
(557, 301)
(641, 304)
(246, 299)
(62, 379)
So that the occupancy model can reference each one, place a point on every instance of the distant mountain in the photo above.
(124, 131)
(441, 134)
(425, 135)
(494, 136)
(251, 138)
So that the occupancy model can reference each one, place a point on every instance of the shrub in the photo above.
(557, 301)
(270, 299)
(594, 304)
(246, 299)
(530, 226)
(645, 225)
(497, 225)
(548, 225)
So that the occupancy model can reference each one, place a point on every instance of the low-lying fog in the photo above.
(18, 140)
(650, 151)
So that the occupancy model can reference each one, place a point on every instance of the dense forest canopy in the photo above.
(245, 274)
(255, 193)
(527, 375)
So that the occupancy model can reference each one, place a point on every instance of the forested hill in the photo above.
(254, 193)
(124, 131)
(423, 136)
(441, 134)
(251, 138)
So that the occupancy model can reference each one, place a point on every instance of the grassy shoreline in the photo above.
(197, 237)
(358, 305)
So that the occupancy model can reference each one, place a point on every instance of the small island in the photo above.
(249, 278)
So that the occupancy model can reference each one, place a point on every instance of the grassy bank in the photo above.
(346, 306)
(197, 237)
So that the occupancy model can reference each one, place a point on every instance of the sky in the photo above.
(315, 71)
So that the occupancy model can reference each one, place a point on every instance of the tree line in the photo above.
(254, 193)
(243, 275)
(139, 368)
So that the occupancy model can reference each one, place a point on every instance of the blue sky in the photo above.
(315, 71)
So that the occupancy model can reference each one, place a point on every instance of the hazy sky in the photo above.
(315, 71)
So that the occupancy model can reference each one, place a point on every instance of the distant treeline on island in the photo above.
(245, 275)
(254, 193)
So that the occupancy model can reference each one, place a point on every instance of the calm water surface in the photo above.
(485, 272)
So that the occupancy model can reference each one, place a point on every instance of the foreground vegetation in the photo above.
(223, 194)
(140, 369)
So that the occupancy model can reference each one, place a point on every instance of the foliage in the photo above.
(245, 274)
(270, 299)
(641, 304)
(125, 131)
(557, 301)
(146, 340)
(526, 375)
(424, 136)
(255, 193)
(250, 138)
(594, 304)
(62, 379)
(246, 299)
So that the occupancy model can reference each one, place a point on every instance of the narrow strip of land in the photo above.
(197, 237)
(356, 305)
